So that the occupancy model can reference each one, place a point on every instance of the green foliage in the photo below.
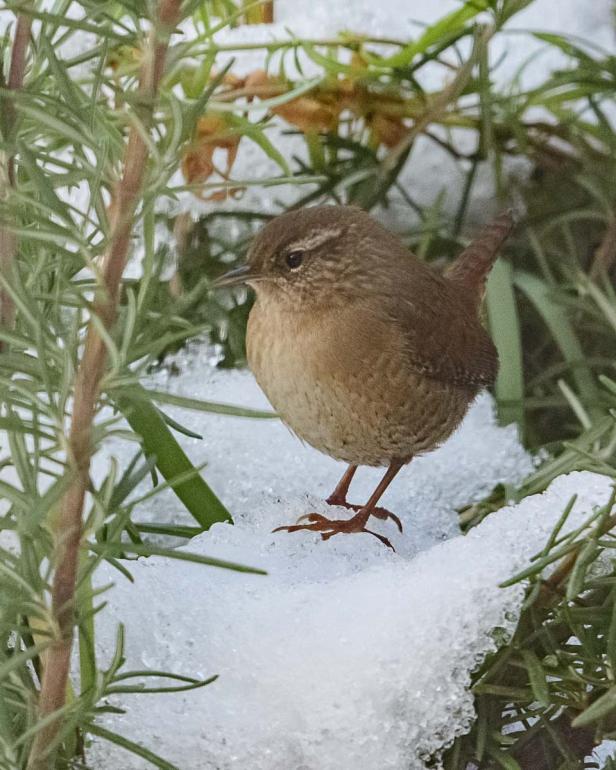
(65, 132)
(551, 307)
(546, 698)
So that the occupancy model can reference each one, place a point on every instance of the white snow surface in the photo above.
(346, 655)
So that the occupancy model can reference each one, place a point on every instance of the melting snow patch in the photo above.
(345, 654)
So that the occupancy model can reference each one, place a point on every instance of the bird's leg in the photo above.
(339, 497)
(330, 527)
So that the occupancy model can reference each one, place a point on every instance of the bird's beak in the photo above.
(234, 277)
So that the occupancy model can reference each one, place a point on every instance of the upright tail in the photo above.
(471, 268)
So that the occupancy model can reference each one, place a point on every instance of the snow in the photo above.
(345, 654)
(401, 21)
(605, 751)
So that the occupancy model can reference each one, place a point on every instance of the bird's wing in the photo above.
(442, 335)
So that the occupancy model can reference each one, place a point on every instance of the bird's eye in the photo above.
(294, 259)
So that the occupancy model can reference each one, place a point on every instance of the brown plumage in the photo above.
(366, 352)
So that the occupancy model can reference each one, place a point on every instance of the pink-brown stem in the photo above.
(8, 241)
(87, 388)
(268, 12)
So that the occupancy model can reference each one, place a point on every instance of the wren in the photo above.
(366, 352)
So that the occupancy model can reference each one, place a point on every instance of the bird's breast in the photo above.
(287, 354)
(340, 380)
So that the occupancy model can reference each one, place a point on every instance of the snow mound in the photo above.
(345, 654)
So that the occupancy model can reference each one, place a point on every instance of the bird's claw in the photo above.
(383, 513)
(380, 513)
(330, 527)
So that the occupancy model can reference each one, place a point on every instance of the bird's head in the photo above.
(312, 254)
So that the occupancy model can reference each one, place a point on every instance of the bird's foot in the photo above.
(380, 513)
(330, 527)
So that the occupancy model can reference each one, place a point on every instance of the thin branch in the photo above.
(87, 388)
(605, 255)
(440, 102)
(552, 589)
(268, 12)
(346, 41)
(8, 241)
(17, 70)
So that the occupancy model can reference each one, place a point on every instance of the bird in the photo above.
(366, 352)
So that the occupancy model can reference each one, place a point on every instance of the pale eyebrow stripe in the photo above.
(318, 238)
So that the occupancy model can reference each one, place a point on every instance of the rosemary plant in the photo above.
(92, 138)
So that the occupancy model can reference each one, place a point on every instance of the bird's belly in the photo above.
(366, 409)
